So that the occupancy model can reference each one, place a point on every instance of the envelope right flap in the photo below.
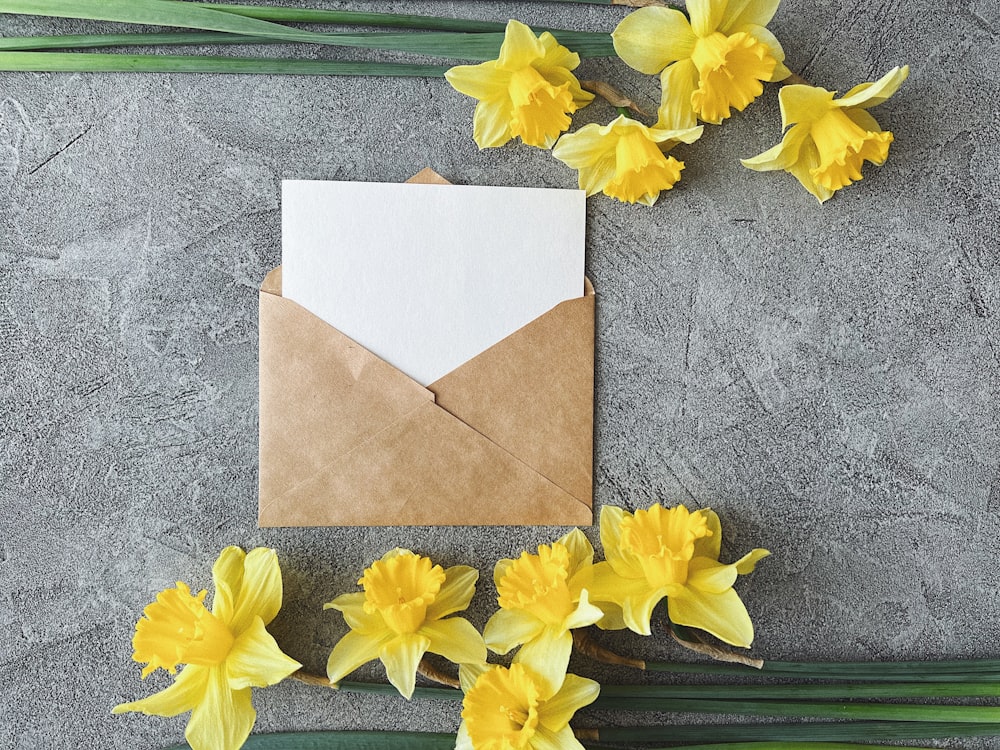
(533, 394)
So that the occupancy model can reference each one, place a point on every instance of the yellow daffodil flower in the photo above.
(400, 616)
(227, 651)
(827, 140)
(673, 553)
(709, 65)
(515, 708)
(624, 159)
(542, 597)
(527, 93)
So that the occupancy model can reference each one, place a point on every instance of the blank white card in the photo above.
(428, 276)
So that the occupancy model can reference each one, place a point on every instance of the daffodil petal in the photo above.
(585, 613)
(863, 119)
(801, 169)
(781, 156)
(491, 124)
(259, 594)
(608, 586)
(748, 562)
(575, 693)
(456, 592)
(613, 618)
(520, 47)
(723, 615)
(800, 103)
(651, 38)
(763, 35)
(547, 656)
(401, 656)
(352, 606)
(351, 651)
(462, 740)
(556, 57)
(455, 639)
(478, 81)
(509, 628)
(186, 691)
(227, 575)
(710, 545)
(637, 610)
(678, 82)
(710, 575)
(581, 551)
(224, 717)
(741, 13)
(469, 673)
(256, 660)
(867, 95)
(706, 15)
(685, 135)
(564, 739)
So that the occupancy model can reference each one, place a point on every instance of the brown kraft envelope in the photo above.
(346, 439)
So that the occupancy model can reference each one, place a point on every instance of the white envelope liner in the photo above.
(429, 276)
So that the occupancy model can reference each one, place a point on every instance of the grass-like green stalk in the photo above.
(835, 691)
(793, 745)
(346, 740)
(83, 62)
(469, 46)
(818, 710)
(962, 670)
(281, 14)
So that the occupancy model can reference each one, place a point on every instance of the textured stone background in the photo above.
(825, 377)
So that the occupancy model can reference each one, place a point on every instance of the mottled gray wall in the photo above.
(824, 376)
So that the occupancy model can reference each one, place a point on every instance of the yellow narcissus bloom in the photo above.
(227, 651)
(542, 597)
(624, 159)
(709, 65)
(828, 140)
(671, 553)
(513, 708)
(399, 617)
(527, 93)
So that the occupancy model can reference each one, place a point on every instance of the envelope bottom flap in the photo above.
(425, 469)
(533, 394)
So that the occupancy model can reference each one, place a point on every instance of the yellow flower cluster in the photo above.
(711, 62)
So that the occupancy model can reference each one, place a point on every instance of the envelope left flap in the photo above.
(321, 394)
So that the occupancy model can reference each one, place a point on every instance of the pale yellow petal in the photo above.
(686, 135)
(800, 103)
(613, 618)
(556, 56)
(500, 570)
(575, 693)
(462, 740)
(186, 691)
(509, 628)
(455, 639)
(469, 673)
(401, 656)
(678, 83)
(223, 719)
(867, 95)
(585, 613)
(781, 156)
(863, 119)
(260, 592)
(547, 656)
(763, 35)
(706, 574)
(351, 651)
(520, 47)
(706, 15)
(456, 592)
(256, 660)
(802, 167)
(723, 615)
(649, 39)
(352, 606)
(491, 123)
(564, 739)
(581, 551)
(227, 575)
(741, 13)
(483, 81)
(748, 562)
(710, 545)
(637, 610)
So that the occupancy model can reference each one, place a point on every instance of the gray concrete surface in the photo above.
(825, 377)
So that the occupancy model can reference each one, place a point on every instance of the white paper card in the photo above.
(428, 276)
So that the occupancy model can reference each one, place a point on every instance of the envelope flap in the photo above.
(533, 394)
(321, 394)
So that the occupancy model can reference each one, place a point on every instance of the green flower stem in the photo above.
(82, 62)
(864, 731)
(970, 670)
(281, 14)
(85, 41)
(793, 745)
(471, 46)
(853, 711)
(806, 692)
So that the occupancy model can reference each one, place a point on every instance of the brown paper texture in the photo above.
(346, 439)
